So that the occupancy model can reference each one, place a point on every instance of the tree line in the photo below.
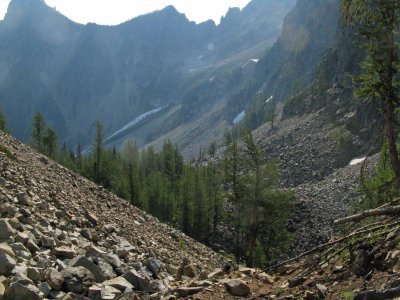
(207, 201)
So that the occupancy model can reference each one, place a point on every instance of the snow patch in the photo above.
(136, 120)
(269, 99)
(239, 118)
(356, 161)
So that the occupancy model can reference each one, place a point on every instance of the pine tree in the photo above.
(2, 122)
(377, 22)
(130, 156)
(50, 143)
(236, 195)
(98, 151)
(187, 195)
(79, 158)
(38, 131)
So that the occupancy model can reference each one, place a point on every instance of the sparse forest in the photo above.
(204, 200)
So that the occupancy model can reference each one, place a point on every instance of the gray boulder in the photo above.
(7, 264)
(120, 283)
(238, 287)
(85, 262)
(19, 291)
(6, 231)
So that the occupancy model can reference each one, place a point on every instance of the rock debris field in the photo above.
(63, 237)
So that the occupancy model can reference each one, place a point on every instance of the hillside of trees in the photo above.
(235, 205)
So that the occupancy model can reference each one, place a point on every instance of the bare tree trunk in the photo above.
(391, 136)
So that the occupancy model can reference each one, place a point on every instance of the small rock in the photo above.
(5, 248)
(19, 291)
(120, 283)
(77, 280)
(296, 281)
(246, 271)
(95, 292)
(215, 273)
(21, 251)
(92, 218)
(44, 288)
(140, 281)
(47, 242)
(64, 251)
(189, 271)
(110, 228)
(308, 295)
(7, 264)
(322, 290)
(154, 266)
(282, 270)
(203, 283)
(22, 238)
(361, 262)
(106, 269)
(237, 287)
(266, 278)
(54, 279)
(2, 290)
(24, 199)
(109, 292)
(35, 274)
(188, 291)
(32, 247)
(86, 234)
(113, 260)
(6, 231)
(172, 269)
(97, 271)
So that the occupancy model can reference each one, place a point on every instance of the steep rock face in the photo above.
(256, 26)
(307, 33)
(62, 235)
(290, 65)
(76, 74)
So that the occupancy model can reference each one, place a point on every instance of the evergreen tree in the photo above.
(378, 25)
(79, 158)
(130, 156)
(98, 152)
(38, 131)
(236, 194)
(187, 195)
(2, 122)
(212, 149)
(50, 143)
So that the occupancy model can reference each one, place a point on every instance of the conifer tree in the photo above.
(98, 151)
(50, 143)
(378, 24)
(79, 158)
(130, 155)
(236, 194)
(2, 121)
(38, 131)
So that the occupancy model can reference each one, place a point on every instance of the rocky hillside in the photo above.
(63, 237)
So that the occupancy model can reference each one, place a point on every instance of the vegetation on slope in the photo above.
(201, 200)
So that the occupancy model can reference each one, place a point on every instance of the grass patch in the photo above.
(279, 291)
(348, 295)
(7, 152)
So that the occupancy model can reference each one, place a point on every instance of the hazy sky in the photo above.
(118, 11)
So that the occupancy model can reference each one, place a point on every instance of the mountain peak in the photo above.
(18, 9)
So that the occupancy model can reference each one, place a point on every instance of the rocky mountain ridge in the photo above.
(75, 74)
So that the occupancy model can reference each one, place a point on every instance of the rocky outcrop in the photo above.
(63, 237)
